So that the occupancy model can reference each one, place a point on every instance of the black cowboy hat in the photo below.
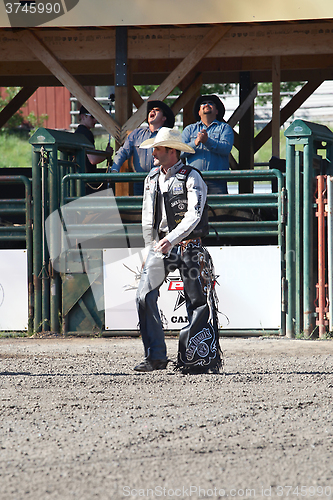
(84, 111)
(170, 117)
(216, 100)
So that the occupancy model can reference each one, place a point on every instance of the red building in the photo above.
(51, 101)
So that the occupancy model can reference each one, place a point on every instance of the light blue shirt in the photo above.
(214, 154)
(142, 158)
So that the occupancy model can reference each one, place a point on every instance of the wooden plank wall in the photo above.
(54, 102)
(51, 101)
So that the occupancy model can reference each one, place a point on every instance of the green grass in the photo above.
(265, 153)
(101, 142)
(6, 334)
(15, 150)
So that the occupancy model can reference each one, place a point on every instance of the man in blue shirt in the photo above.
(211, 138)
(158, 115)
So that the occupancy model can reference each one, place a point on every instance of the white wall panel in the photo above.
(13, 290)
(248, 287)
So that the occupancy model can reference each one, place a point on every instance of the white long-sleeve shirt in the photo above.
(196, 197)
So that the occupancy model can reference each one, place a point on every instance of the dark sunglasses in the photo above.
(210, 103)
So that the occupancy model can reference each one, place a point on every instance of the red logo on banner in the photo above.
(176, 286)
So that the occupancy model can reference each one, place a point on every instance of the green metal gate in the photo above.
(63, 297)
(309, 154)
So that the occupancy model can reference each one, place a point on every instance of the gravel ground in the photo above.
(78, 423)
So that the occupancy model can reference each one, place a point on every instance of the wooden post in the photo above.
(123, 97)
(246, 134)
(276, 80)
(295, 102)
(191, 84)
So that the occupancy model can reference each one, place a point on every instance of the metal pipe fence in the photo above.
(11, 233)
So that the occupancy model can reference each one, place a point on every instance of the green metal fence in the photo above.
(11, 233)
(250, 229)
(62, 299)
(309, 153)
(54, 154)
(252, 201)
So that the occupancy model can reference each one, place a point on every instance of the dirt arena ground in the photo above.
(78, 423)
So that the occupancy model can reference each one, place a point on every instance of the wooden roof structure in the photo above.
(172, 43)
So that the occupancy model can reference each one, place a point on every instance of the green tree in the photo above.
(211, 88)
(18, 118)
(266, 88)
(217, 88)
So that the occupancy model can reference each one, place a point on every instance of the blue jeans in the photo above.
(151, 328)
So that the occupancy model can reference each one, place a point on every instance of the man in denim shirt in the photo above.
(158, 115)
(211, 138)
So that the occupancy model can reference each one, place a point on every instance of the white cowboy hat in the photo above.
(169, 138)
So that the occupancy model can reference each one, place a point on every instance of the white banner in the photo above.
(13, 290)
(248, 285)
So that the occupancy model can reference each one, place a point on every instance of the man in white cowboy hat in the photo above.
(158, 115)
(211, 138)
(174, 219)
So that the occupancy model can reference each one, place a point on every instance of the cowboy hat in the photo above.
(169, 138)
(84, 111)
(216, 100)
(170, 117)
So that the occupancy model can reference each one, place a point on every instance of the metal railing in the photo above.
(255, 201)
(12, 232)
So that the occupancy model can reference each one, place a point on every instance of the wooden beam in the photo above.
(123, 108)
(72, 44)
(123, 99)
(37, 68)
(183, 85)
(236, 140)
(136, 98)
(52, 81)
(276, 81)
(58, 69)
(205, 45)
(246, 133)
(226, 76)
(242, 108)
(15, 104)
(243, 40)
(187, 95)
(218, 70)
(233, 163)
(290, 108)
(158, 68)
(161, 42)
